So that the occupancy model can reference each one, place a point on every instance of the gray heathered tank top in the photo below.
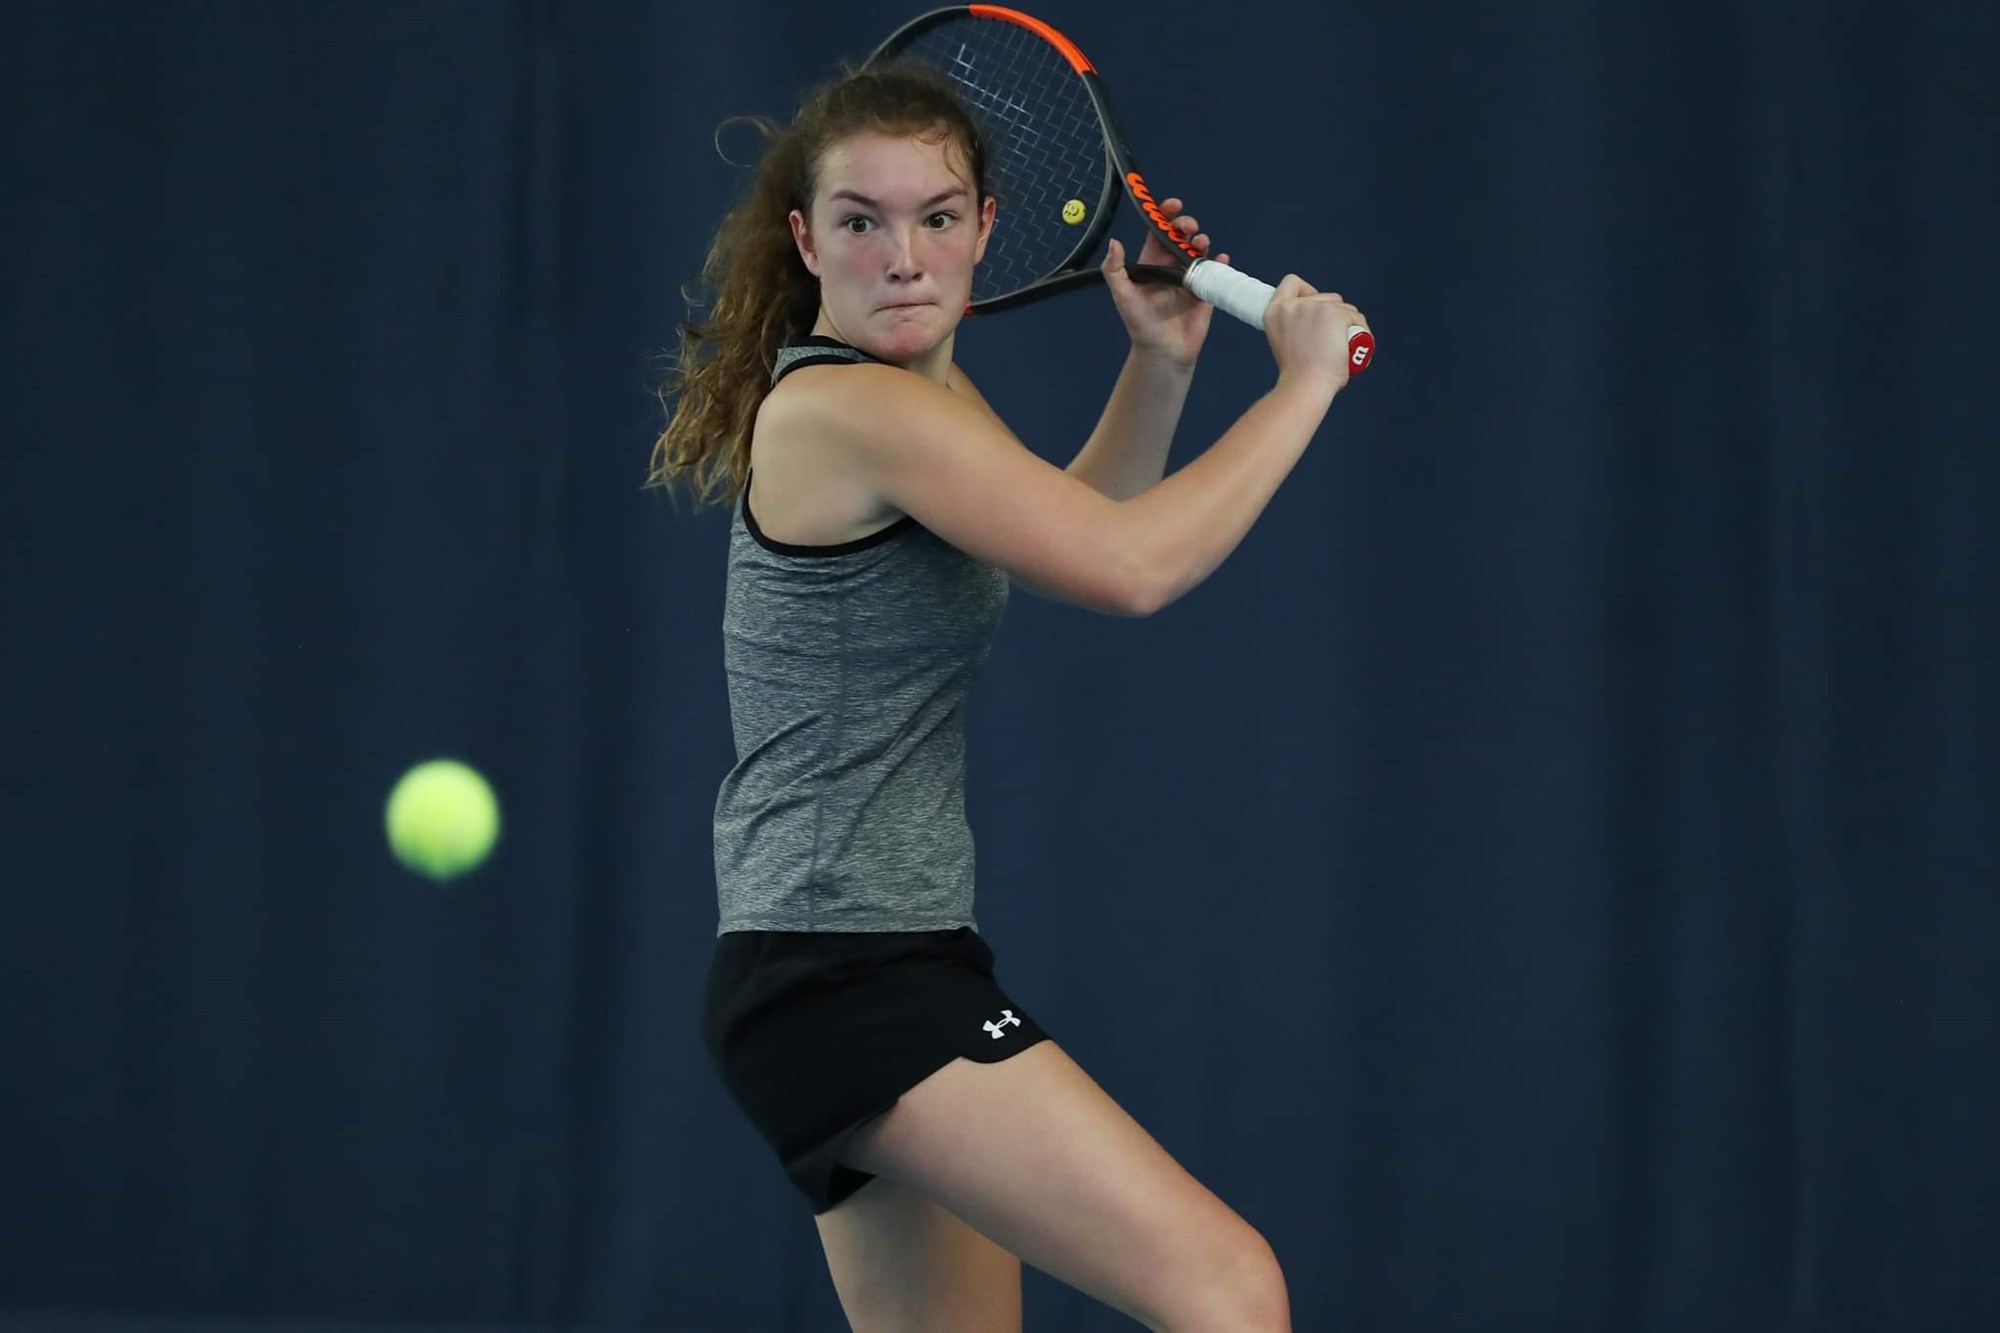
(848, 672)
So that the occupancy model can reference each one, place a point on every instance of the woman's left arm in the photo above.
(1127, 453)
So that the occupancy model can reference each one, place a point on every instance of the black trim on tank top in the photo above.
(839, 548)
(832, 345)
(817, 349)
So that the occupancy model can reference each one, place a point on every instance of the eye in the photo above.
(855, 224)
(935, 225)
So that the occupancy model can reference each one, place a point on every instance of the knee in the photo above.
(1242, 1290)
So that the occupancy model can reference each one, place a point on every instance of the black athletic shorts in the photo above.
(815, 1034)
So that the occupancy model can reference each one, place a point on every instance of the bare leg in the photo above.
(1033, 1155)
(902, 1262)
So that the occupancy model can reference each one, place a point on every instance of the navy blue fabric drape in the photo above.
(1545, 880)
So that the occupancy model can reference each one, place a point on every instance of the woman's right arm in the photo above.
(939, 458)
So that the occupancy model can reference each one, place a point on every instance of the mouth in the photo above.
(908, 305)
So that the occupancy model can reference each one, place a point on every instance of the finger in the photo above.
(1114, 262)
(1187, 223)
(1171, 206)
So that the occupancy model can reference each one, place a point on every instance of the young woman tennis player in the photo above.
(881, 510)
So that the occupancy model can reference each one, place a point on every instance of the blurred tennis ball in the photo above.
(1073, 212)
(442, 819)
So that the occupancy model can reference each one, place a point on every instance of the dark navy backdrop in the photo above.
(1545, 879)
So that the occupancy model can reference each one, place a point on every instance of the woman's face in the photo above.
(895, 230)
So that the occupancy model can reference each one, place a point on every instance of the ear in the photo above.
(986, 211)
(802, 237)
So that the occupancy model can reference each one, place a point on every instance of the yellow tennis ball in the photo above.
(442, 819)
(1073, 211)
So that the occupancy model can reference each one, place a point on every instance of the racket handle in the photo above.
(1245, 297)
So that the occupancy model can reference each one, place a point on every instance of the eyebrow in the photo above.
(957, 191)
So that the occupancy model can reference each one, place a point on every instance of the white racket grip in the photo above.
(1229, 290)
(1247, 298)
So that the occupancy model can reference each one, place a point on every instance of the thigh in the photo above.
(1034, 1155)
(901, 1261)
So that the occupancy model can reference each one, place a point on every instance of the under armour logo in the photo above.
(1006, 1017)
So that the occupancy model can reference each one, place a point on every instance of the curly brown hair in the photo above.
(760, 294)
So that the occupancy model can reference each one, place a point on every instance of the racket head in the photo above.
(1052, 144)
(1051, 160)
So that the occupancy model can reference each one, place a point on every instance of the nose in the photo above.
(903, 263)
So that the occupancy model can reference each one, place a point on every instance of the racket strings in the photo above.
(1045, 148)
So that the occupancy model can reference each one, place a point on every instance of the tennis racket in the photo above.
(1060, 163)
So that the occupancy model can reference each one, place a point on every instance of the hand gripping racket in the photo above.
(1059, 161)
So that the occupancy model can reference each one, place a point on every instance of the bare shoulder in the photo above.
(871, 402)
(825, 396)
(940, 455)
(805, 487)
